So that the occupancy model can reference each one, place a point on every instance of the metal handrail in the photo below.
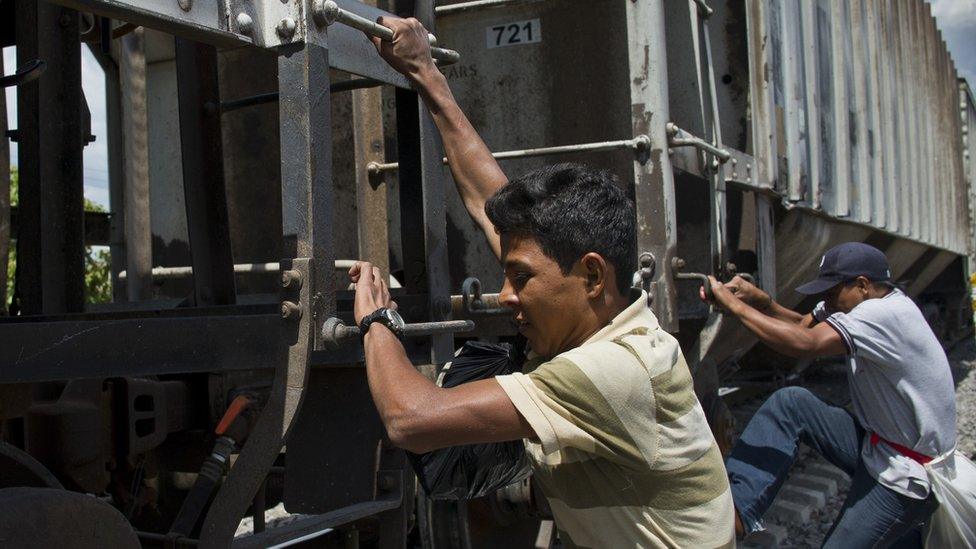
(639, 143)
(328, 12)
(693, 141)
(335, 331)
(460, 7)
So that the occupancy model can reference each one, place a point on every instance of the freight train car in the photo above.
(257, 147)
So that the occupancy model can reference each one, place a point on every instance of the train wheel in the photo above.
(49, 517)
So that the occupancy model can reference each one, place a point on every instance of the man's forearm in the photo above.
(476, 173)
(780, 312)
(398, 389)
(784, 334)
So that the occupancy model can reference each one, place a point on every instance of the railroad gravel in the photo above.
(829, 381)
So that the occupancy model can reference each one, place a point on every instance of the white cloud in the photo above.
(957, 21)
(954, 13)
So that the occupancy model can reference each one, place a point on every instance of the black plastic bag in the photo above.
(474, 470)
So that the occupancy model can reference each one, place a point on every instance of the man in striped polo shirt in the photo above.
(606, 406)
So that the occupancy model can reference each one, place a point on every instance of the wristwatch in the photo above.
(388, 317)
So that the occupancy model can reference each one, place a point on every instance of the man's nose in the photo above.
(507, 297)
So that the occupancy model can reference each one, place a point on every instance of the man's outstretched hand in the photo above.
(738, 290)
(371, 290)
(409, 52)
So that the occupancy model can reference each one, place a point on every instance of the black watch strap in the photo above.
(380, 315)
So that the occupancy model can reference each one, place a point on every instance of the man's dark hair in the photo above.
(570, 210)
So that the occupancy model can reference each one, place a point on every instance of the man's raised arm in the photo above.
(475, 171)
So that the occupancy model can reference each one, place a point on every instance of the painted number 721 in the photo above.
(515, 33)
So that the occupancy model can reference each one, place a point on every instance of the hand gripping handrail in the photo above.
(335, 331)
(328, 12)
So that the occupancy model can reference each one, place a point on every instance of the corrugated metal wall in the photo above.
(866, 116)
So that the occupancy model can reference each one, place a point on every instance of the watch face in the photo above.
(394, 317)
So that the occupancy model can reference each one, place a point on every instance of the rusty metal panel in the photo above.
(654, 192)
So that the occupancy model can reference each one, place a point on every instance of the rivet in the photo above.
(244, 23)
(286, 28)
(185, 5)
(291, 279)
(290, 310)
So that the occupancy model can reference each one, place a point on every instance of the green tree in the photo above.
(98, 259)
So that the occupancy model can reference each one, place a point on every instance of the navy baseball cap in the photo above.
(847, 262)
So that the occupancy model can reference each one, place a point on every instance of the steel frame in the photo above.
(218, 337)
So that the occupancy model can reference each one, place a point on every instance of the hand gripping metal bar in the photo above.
(335, 331)
(709, 295)
(697, 142)
(639, 143)
(327, 12)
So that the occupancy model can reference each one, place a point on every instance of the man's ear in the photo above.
(863, 284)
(595, 269)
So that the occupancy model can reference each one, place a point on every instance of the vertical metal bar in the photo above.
(371, 192)
(307, 191)
(116, 176)
(792, 61)
(761, 93)
(135, 119)
(811, 100)
(653, 176)
(435, 215)
(307, 219)
(875, 109)
(720, 239)
(4, 198)
(862, 115)
(840, 152)
(52, 218)
(203, 173)
(764, 135)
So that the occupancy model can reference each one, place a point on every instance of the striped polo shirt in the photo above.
(624, 453)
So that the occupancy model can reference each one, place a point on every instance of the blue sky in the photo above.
(956, 19)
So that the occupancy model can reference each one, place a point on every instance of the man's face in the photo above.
(547, 304)
(845, 296)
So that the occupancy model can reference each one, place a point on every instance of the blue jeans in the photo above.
(872, 516)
